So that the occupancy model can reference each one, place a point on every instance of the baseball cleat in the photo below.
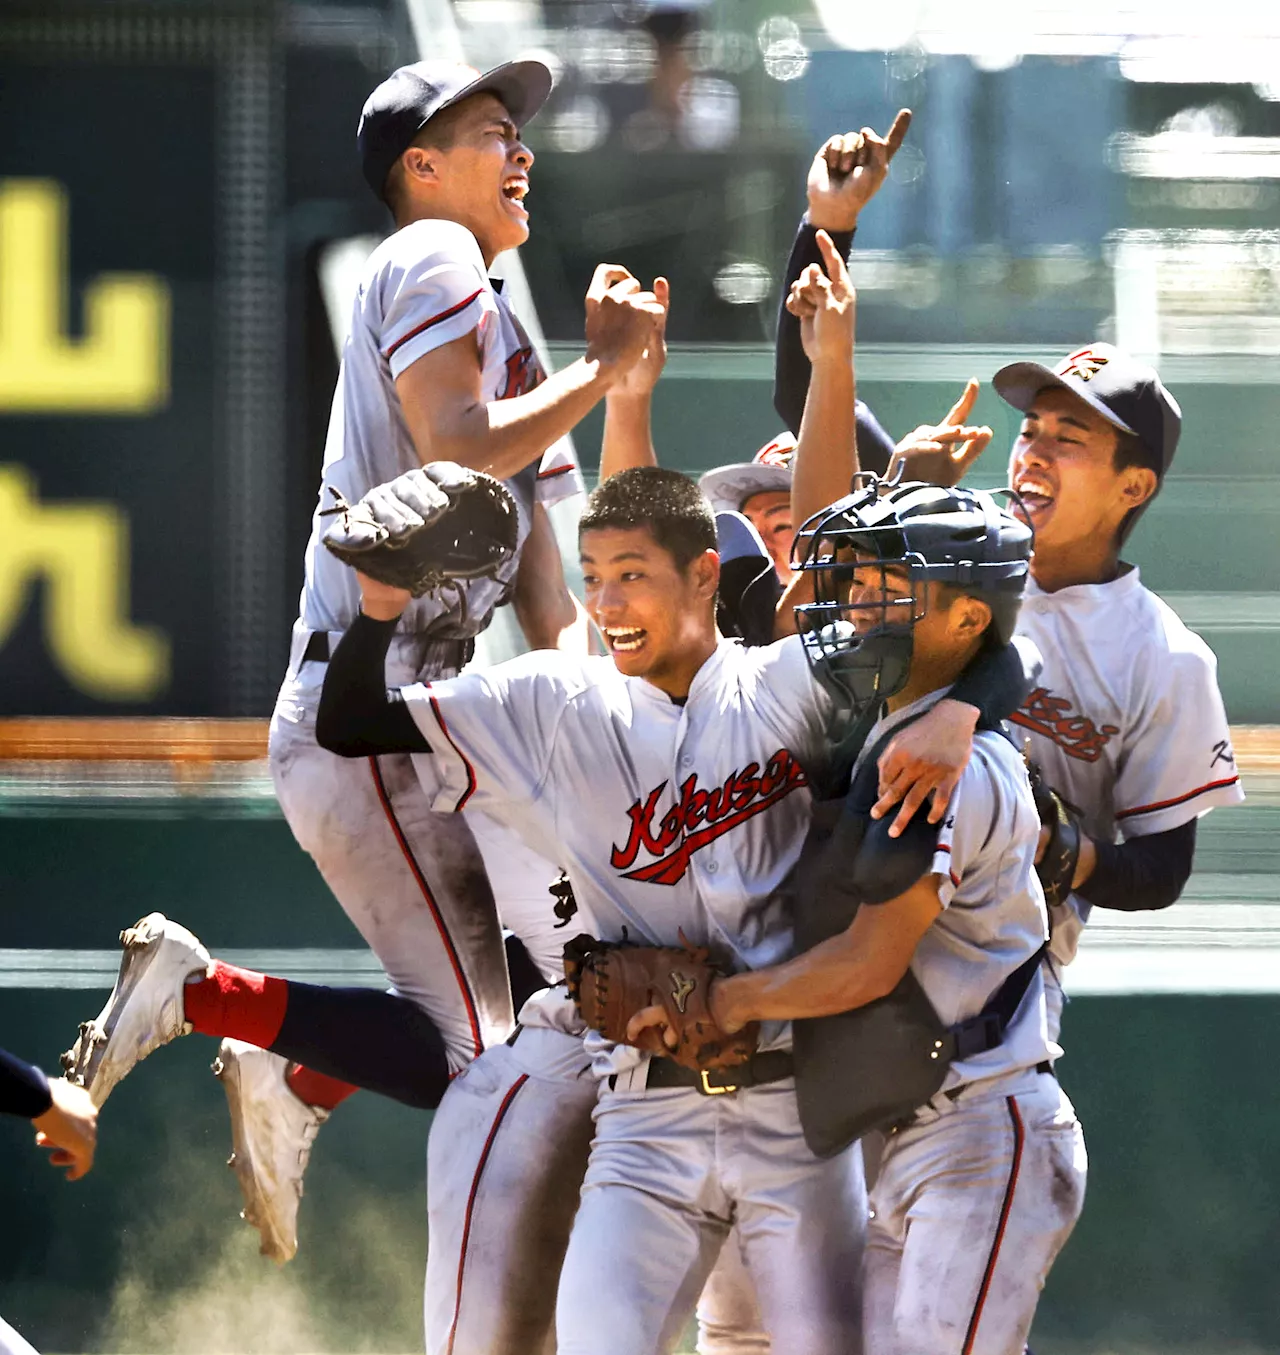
(145, 1009)
(272, 1131)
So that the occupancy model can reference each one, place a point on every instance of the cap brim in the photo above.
(522, 86)
(1019, 383)
(736, 538)
(729, 487)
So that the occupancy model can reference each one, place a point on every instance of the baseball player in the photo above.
(980, 1186)
(436, 366)
(1126, 723)
(616, 761)
(65, 1120)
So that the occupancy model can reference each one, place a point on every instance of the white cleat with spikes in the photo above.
(145, 1009)
(272, 1131)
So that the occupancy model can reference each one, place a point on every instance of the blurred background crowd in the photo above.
(180, 205)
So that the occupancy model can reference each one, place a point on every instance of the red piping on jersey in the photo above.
(1178, 799)
(435, 320)
(554, 471)
(1019, 1138)
(468, 1000)
(946, 847)
(471, 1199)
(471, 771)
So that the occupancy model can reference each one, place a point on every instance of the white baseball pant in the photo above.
(412, 881)
(505, 1162)
(972, 1204)
(670, 1172)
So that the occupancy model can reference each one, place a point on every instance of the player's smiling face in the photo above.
(1063, 466)
(482, 178)
(657, 620)
(769, 512)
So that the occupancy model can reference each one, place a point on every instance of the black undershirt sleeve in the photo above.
(997, 680)
(358, 716)
(791, 368)
(24, 1089)
(1144, 873)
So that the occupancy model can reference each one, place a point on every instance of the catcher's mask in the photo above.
(870, 556)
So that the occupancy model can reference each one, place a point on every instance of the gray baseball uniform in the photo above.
(411, 880)
(671, 818)
(1127, 723)
(978, 1191)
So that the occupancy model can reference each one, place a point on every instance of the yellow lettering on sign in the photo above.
(120, 366)
(82, 553)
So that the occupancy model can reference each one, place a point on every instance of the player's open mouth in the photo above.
(515, 191)
(1036, 496)
(624, 639)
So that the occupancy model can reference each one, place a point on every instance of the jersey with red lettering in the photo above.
(666, 817)
(1127, 722)
(423, 287)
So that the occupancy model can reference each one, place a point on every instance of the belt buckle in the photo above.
(708, 1089)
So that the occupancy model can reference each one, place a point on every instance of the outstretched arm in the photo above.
(845, 175)
(826, 456)
(450, 420)
(628, 434)
(64, 1116)
(358, 716)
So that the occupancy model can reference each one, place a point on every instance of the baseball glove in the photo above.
(1057, 865)
(428, 527)
(610, 982)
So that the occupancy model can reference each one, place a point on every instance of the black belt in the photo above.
(954, 1094)
(758, 1071)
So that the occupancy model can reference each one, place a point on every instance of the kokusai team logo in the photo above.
(1084, 363)
(1052, 716)
(700, 817)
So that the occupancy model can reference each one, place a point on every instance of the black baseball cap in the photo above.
(1126, 392)
(409, 98)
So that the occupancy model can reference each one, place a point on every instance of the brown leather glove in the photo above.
(610, 982)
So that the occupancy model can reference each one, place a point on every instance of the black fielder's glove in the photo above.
(426, 528)
(1057, 864)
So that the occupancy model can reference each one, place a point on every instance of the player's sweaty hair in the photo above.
(668, 504)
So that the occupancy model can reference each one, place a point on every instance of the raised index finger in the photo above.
(962, 408)
(898, 132)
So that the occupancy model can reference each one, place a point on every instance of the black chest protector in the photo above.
(870, 1067)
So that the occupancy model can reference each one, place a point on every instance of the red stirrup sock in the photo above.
(237, 1003)
(317, 1089)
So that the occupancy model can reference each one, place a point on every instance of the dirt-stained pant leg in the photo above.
(971, 1208)
(669, 1171)
(410, 880)
(11, 1343)
(505, 1161)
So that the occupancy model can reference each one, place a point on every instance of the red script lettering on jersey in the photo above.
(524, 372)
(1051, 716)
(700, 817)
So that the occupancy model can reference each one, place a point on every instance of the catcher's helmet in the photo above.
(861, 650)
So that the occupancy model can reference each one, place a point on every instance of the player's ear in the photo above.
(418, 163)
(705, 570)
(968, 617)
(1140, 483)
